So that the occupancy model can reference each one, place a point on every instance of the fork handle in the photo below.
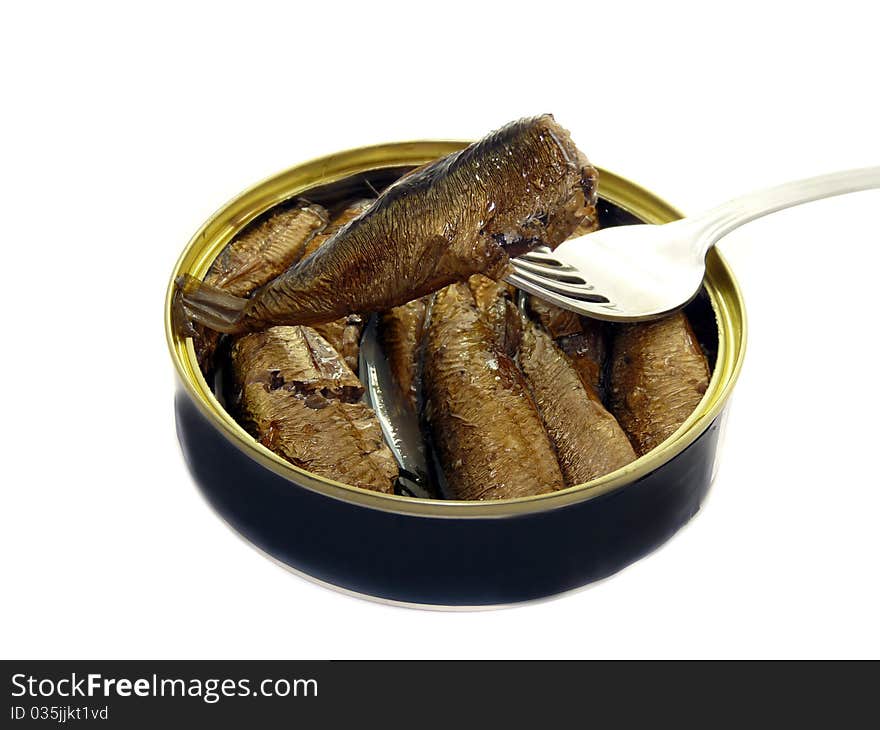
(721, 220)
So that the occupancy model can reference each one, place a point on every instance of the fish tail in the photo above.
(198, 303)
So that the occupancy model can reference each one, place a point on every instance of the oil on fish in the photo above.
(526, 184)
(296, 395)
(254, 258)
(483, 422)
(658, 377)
(588, 440)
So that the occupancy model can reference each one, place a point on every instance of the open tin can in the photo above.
(443, 552)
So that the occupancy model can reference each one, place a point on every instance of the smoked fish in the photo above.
(254, 258)
(401, 330)
(344, 334)
(469, 212)
(588, 440)
(658, 376)
(295, 394)
(582, 339)
(495, 301)
(337, 223)
(483, 423)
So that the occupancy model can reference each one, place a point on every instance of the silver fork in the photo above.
(640, 272)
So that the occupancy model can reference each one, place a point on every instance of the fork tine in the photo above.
(575, 290)
(572, 291)
(561, 273)
(542, 257)
(584, 308)
(538, 291)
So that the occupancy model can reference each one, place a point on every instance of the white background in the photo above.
(123, 129)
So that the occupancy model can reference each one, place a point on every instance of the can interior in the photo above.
(336, 196)
(716, 314)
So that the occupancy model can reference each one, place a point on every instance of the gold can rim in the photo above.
(720, 283)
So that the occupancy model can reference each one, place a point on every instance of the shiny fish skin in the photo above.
(338, 222)
(298, 398)
(588, 440)
(658, 376)
(255, 257)
(524, 185)
(588, 350)
(495, 300)
(558, 322)
(582, 339)
(484, 425)
(400, 331)
(344, 334)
